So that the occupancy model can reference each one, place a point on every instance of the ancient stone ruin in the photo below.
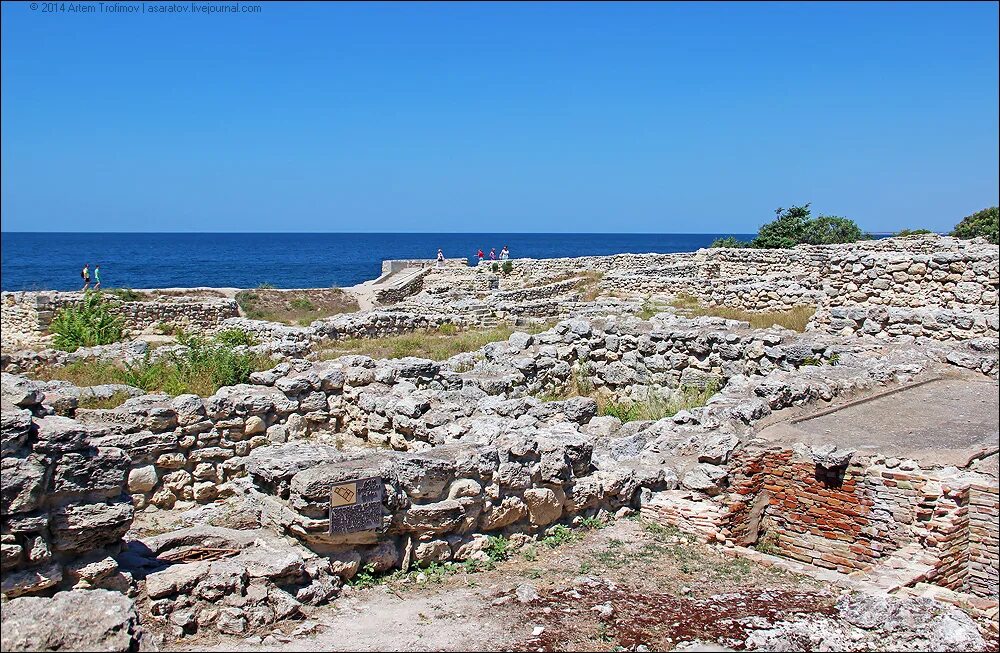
(862, 451)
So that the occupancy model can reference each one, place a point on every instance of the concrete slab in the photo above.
(946, 421)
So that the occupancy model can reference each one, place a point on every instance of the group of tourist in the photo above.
(85, 273)
(504, 255)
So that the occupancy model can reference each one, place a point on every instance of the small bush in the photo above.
(86, 324)
(985, 224)
(507, 267)
(912, 232)
(206, 366)
(447, 329)
(265, 286)
(768, 544)
(498, 548)
(495, 267)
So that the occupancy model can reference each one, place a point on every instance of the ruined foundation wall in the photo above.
(26, 316)
(850, 519)
(984, 540)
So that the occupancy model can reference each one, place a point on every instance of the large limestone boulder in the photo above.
(81, 620)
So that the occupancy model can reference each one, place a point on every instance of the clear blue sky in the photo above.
(499, 117)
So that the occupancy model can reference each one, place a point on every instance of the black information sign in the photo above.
(356, 506)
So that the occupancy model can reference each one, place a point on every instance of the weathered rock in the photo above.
(83, 527)
(22, 482)
(544, 506)
(706, 478)
(80, 620)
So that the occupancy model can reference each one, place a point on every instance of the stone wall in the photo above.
(64, 505)
(391, 266)
(26, 316)
(886, 322)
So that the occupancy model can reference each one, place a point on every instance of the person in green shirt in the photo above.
(97, 277)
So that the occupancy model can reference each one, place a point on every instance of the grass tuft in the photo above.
(655, 408)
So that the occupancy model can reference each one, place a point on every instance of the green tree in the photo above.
(830, 229)
(786, 230)
(981, 223)
(796, 226)
(912, 232)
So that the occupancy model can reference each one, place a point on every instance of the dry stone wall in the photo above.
(26, 315)
(64, 501)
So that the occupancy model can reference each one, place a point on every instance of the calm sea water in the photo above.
(52, 261)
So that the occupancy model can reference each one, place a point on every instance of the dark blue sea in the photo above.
(52, 261)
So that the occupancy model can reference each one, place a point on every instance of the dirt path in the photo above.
(625, 584)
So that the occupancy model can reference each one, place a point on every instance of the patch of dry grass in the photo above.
(114, 401)
(795, 318)
(300, 307)
(83, 373)
(589, 285)
(438, 345)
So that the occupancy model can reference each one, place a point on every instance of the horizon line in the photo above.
(423, 233)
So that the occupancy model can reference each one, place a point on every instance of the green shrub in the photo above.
(728, 241)
(796, 226)
(498, 548)
(985, 224)
(559, 535)
(235, 338)
(495, 267)
(912, 232)
(301, 304)
(786, 230)
(129, 295)
(831, 229)
(86, 324)
(507, 267)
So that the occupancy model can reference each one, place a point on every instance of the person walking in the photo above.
(504, 253)
(97, 277)
(479, 254)
(493, 253)
(85, 273)
(440, 258)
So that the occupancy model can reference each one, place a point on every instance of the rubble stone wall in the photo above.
(885, 322)
(64, 506)
(26, 315)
